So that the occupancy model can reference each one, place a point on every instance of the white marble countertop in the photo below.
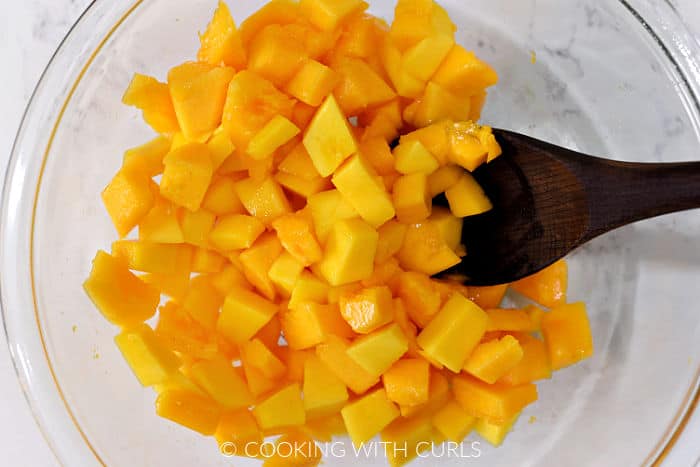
(30, 30)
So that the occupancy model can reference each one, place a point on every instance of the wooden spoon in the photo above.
(549, 200)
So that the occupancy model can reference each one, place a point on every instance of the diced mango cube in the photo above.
(221, 41)
(259, 384)
(188, 172)
(329, 14)
(282, 409)
(153, 257)
(412, 157)
(333, 352)
(377, 351)
(492, 432)
(349, 252)
(260, 357)
(221, 197)
(308, 288)
(329, 139)
(222, 382)
(424, 250)
(533, 366)
(181, 333)
(327, 208)
(463, 73)
(407, 382)
(324, 392)
(444, 178)
(423, 59)
(420, 295)
(360, 87)
(390, 239)
(161, 224)
(221, 147)
(202, 301)
(275, 134)
(244, 313)
(467, 198)
(369, 415)
(284, 273)
(496, 403)
(150, 360)
(506, 319)
(411, 198)
(488, 297)
(147, 159)
(313, 83)
(325, 428)
(277, 52)
(294, 449)
(466, 149)
(450, 226)
(567, 334)
(454, 332)
(187, 408)
(235, 232)
(153, 99)
(236, 431)
(437, 104)
(128, 199)
(405, 84)
(407, 438)
(295, 232)
(196, 226)
(121, 297)
(263, 199)
(257, 261)
(300, 186)
(377, 152)
(207, 261)
(435, 138)
(308, 324)
(546, 287)
(453, 422)
(493, 359)
(368, 309)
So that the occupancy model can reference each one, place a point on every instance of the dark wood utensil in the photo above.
(549, 200)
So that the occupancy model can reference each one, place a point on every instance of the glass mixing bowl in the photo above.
(609, 77)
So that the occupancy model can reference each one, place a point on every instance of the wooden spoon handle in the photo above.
(622, 192)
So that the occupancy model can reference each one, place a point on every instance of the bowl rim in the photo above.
(660, 33)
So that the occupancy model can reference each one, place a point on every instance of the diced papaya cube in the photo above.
(263, 199)
(198, 92)
(329, 139)
(312, 83)
(153, 257)
(244, 313)
(196, 226)
(161, 224)
(188, 172)
(325, 428)
(329, 14)
(368, 415)
(189, 409)
(235, 232)
(221, 41)
(257, 261)
(411, 198)
(221, 381)
(467, 198)
(327, 208)
(221, 197)
(533, 366)
(450, 226)
(153, 99)
(295, 232)
(493, 402)
(282, 409)
(505, 319)
(492, 432)
(236, 431)
(378, 350)
(251, 102)
(308, 324)
(147, 159)
(405, 84)
(333, 352)
(121, 297)
(423, 59)
(181, 333)
(412, 157)
(368, 309)
(294, 449)
(435, 138)
(324, 392)
(284, 273)
(260, 357)
(436, 104)
(567, 334)
(359, 184)
(425, 251)
(207, 261)
(487, 296)
(349, 252)
(308, 288)
(407, 438)
(360, 87)
(493, 359)
(453, 422)
(277, 52)
(454, 332)
(443, 179)
(150, 360)
(463, 73)
(128, 199)
(546, 287)
(407, 382)
(390, 239)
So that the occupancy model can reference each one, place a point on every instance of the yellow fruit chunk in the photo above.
(349, 252)
(533, 366)
(424, 250)
(417, 19)
(547, 287)
(295, 232)
(329, 139)
(420, 295)
(221, 41)
(333, 352)
(147, 159)
(377, 351)
(196, 226)
(438, 396)
(257, 355)
(454, 332)
(121, 297)
(437, 104)
(198, 92)
(412, 199)
(308, 324)
(301, 187)
(435, 138)
(377, 152)
(367, 416)
(329, 14)
(327, 208)
(189, 409)
(259, 384)
(359, 184)
(453, 422)
(443, 179)
(463, 73)
(492, 432)
(188, 172)
(360, 87)
(324, 429)
(467, 198)
(235, 232)
(221, 197)
(202, 301)
(404, 83)
(206, 261)
(153, 257)
(257, 261)
(367, 310)
(173, 284)
(236, 431)
(128, 199)
(313, 83)
(298, 162)
(179, 382)
(567, 334)
(412, 157)
(466, 149)
(282, 409)
(181, 333)
(150, 360)
(153, 99)
(244, 313)
(220, 146)
(284, 273)
(222, 382)
(161, 224)
(535, 314)
(496, 403)
(406, 438)
(423, 59)
(275, 134)
(294, 449)
(407, 382)
(324, 393)
(390, 239)
(488, 297)
(263, 199)
(450, 226)
(504, 319)
(277, 52)
(308, 288)
(493, 359)
(295, 361)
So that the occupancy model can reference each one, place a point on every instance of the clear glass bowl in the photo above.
(611, 77)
